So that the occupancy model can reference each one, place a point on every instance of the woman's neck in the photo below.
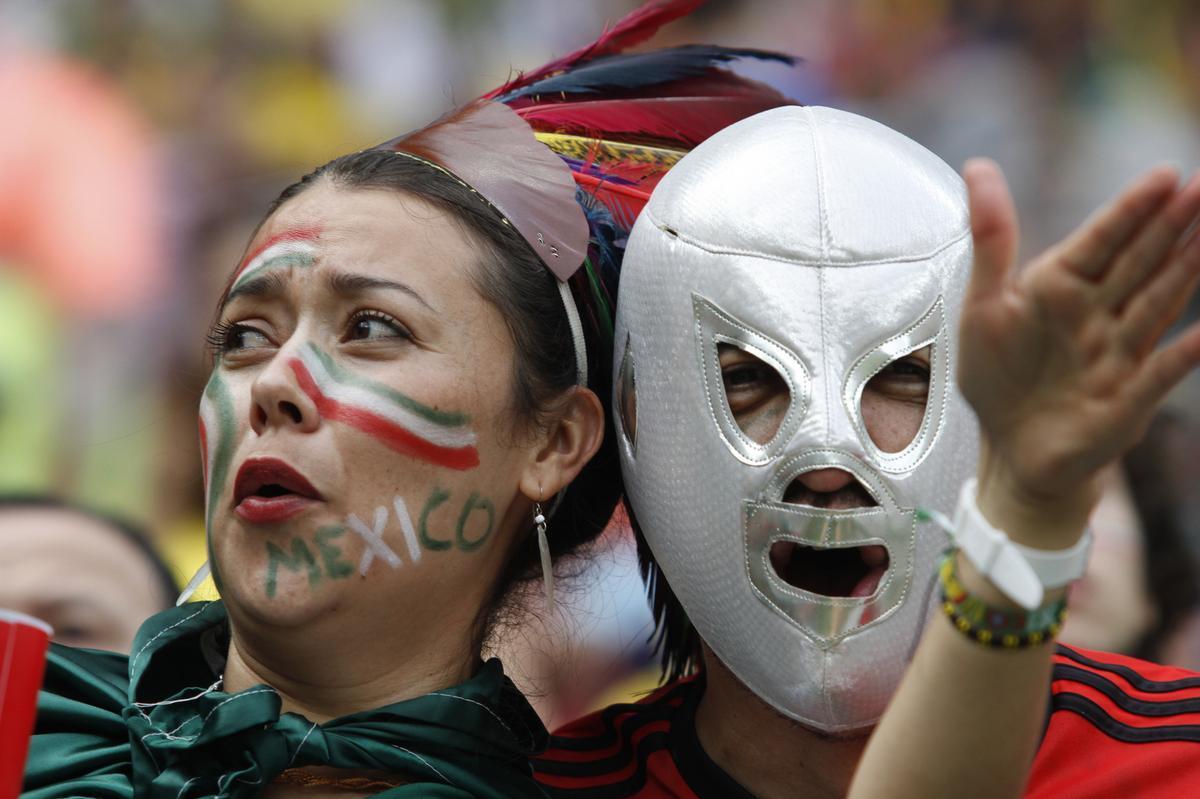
(321, 677)
(769, 755)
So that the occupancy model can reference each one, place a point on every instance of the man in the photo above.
(94, 579)
(787, 316)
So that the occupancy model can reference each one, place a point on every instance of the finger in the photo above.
(1090, 249)
(1156, 307)
(1144, 256)
(1167, 367)
(993, 227)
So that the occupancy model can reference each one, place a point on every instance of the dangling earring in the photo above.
(544, 548)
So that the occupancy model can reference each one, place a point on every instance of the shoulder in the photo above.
(79, 730)
(1118, 726)
(620, 751)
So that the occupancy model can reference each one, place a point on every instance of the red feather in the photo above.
(634, 28)
(675, 120)
(624, 202)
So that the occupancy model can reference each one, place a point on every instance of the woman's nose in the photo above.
(277, 401)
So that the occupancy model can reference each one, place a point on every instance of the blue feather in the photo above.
(638, 70)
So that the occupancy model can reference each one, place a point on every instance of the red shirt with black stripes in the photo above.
(1115, 727)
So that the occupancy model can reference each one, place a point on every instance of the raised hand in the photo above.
(1060, 359)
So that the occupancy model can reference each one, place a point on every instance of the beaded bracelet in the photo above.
(996, 627)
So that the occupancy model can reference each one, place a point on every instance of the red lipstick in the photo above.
(268, 491)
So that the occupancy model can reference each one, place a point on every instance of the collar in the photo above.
(189, 738)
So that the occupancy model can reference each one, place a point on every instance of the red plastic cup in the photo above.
(23, 643)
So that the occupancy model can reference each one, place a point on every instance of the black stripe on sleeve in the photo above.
(1115, 729)
(1139, 681)
(1130, 704)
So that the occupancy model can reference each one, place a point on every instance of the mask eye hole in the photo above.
(894, 400)
(627, 398)
(757, 395)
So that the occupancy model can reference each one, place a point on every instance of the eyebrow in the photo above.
(270, 284)
(347, 283)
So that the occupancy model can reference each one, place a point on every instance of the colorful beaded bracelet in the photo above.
(996, 627)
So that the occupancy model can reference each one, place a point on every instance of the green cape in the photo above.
(155, 725)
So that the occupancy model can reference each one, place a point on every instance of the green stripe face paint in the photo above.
(217, 430)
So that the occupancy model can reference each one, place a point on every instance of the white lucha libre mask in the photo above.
(827, 246)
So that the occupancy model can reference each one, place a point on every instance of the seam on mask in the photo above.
(717, 249)
(824, 224)
(826, 694)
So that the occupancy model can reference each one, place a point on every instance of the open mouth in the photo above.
(830, 571)
(268, 490)
(840, 572)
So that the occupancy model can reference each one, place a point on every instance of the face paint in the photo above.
(331, 555)
(327, 560)
(373, 537)
(301, 557)
(396, 420)
(216, 449)
(410, 533)
(290, 248)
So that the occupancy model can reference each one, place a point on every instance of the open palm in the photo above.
(1060, 359)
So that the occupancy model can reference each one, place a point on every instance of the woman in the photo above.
(405, 397)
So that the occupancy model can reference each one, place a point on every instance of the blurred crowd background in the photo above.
(151, 134)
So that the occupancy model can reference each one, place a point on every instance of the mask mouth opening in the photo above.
(833, 572)
(830, 571)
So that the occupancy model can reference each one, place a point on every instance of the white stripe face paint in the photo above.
(373, 536)
(410, 533)
(358, 396)
(285, 253)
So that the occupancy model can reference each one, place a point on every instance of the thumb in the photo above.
(993, 227)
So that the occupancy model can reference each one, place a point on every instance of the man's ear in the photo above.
(569, 444)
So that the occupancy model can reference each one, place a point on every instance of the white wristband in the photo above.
(1021, 573)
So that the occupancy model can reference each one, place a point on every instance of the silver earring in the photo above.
(539, 521)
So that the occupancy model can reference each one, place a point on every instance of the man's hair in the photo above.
(127, 530)
(674, 640)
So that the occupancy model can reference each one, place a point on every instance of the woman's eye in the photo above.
(373, 325)
(233, 337)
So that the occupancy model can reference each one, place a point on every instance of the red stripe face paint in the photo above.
(395, 419)
(296, 247)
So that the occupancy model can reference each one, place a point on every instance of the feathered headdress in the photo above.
(618, 121)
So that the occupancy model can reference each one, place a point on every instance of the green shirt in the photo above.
(155, 724)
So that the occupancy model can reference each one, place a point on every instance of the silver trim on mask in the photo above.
(828, 620)
(929, 329)
(714, 327)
